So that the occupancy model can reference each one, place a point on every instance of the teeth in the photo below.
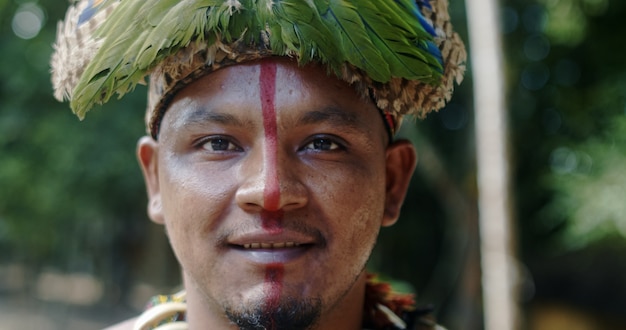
(270, 245)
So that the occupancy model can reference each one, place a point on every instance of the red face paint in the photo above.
(272, 215)
(274, 280)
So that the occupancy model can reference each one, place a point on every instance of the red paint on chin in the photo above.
(274, 279)
(272, 215)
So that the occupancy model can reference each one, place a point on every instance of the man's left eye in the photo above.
(322, 144)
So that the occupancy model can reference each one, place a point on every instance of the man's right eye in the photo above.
(219, 144)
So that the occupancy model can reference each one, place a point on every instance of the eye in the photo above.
(323, 144)
(218, 144)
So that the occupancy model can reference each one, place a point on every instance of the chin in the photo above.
(268, 312)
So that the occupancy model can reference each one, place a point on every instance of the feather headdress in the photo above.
(402, 53)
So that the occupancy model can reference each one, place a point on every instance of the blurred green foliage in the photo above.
(567, 108)
(566, 103)
(591, 183)
(68, 190)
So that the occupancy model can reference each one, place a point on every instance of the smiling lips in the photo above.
(288, 239)
(271, 245)
(272, 253)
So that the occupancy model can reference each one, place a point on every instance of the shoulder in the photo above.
(126, 325)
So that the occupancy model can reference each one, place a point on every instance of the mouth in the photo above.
(270, 246)
(264, 253)
(261, 248)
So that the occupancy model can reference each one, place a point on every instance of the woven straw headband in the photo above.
(82, 43)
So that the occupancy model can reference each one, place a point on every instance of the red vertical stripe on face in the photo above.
(271, 216)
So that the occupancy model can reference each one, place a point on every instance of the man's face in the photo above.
(272, 182)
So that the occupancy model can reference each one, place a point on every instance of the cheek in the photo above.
(362, 221)
(354, 204)
(194, 200)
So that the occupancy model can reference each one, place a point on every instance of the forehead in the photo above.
(233, 94)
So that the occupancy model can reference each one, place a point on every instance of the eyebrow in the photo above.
(331, 115)
(203, 116)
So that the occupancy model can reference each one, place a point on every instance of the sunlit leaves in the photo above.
(591, 182)
(567, 19)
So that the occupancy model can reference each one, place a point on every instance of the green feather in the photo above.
(174, 30)
(395, 39)
(352, 38)
(304, 19)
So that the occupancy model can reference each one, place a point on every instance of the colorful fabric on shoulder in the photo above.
(384, 309)
(164, 313)
(388, 310)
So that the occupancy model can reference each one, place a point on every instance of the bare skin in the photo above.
(270, 207)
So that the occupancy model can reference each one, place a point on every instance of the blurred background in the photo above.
(77, 250)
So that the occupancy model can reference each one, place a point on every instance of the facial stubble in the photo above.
(289, 314)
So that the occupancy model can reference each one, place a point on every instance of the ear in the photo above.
(400, 163)
(147, 151)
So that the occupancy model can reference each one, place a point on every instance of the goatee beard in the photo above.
(288, 314)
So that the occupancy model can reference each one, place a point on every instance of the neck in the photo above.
(346, 313)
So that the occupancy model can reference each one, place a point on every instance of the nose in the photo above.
(270, 182)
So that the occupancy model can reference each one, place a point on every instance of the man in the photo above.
(270, 161)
